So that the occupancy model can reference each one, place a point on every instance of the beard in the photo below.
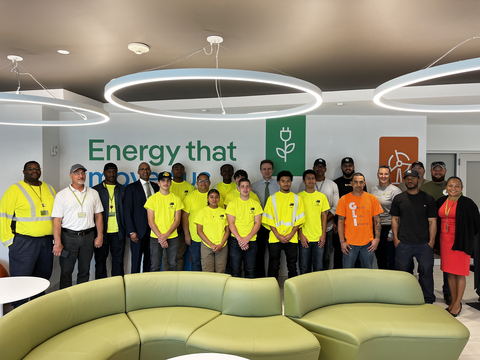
(347, 173)
(438, 179)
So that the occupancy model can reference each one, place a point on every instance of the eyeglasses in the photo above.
(32, 169)
(203, 181)
(78, 173)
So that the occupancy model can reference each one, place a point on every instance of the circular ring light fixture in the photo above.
(436, 72)
(101, 115)
(204, 74)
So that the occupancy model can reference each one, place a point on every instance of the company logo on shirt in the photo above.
(285, 143)
(222, 217)
(292, 205)
(252, 210)
(171, 205)
(399, 153)
(317, 203)
(185, 192)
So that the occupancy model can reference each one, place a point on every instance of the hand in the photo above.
(304, 241)
(163, 243)
(98, 241)
(431, 244)
(188, 239)
(345, 247)
(57, 249)
(134, 237)
(335, 229)
(321, 241)
(374, 245)
(396, 242)
(389, 239)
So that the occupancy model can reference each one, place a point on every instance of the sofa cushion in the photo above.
(164, 331)
(171, 288)
(57, 312)
(323, 288)
(252, 297)
(111, 337)
(272, 337)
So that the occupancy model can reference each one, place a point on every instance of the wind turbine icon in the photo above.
(398, 165)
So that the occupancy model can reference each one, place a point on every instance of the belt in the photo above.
(78, 233)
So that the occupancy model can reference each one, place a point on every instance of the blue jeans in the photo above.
(360, 252)
(404, 254)
(195, 255)
(236, 255)
(156, 253)
(310, 257)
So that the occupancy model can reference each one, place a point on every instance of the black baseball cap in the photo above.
(419, 163)
(347, 160)
(110, 166)
(411, 172)
(164, 175)
(320, 161)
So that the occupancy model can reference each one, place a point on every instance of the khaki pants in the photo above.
(212, 261)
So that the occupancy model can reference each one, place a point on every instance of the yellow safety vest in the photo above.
(30, 209)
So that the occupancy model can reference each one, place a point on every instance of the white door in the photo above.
(469, 172)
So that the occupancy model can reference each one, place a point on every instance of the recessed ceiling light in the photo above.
(63, 52)
(138, 48)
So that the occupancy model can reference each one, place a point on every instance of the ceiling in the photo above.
(336, 45)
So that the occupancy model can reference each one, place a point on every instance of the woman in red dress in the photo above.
(459, 222)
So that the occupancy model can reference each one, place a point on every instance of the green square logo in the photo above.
(285, 143)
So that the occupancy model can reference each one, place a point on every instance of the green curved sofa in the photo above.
(372, 314)
(156, 316)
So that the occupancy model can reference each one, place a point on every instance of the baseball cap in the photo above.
(320, 161)
(347, 160)
(411, 172)
(438, 163)
(76, 167)
(419, 163)
(164, 175)
(110, 166)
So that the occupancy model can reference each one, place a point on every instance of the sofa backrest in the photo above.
(315, 290)
(24, 328)
(174, 288)
(252, 297)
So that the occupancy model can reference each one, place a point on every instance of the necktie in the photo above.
(267, 192)
(149, 192)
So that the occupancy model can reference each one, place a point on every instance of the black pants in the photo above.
(31, 256)
(142, 248)
(291, 254)
(262, 243)
(80, 247)
(112, 243)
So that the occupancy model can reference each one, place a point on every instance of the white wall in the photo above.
(454, 138)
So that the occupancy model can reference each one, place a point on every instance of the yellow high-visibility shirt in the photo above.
(31, 209)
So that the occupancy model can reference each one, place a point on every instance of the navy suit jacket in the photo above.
(136, 220)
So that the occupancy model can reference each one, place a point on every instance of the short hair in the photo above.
(30, 162)
(178, 164)
(358, 174)
(284, 173)
(204, 174)
(306, 172)
(455, 178)
(221, 167)
(385, 167)
(240, 173)
(266, 161)
(244, 180)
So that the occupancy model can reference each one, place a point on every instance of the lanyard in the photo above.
(40, 197)
(111, 198)
(447, 209)
(321, 186)
(84, 196)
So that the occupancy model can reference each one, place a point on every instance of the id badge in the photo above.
(43, 212)
(82, 215)
(111, 214)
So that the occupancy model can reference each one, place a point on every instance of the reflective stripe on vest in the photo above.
(33, 212)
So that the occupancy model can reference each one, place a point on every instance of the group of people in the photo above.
(227, 228)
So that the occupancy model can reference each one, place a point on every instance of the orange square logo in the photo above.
(399, 153)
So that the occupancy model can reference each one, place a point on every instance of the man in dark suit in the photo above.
(136, 221)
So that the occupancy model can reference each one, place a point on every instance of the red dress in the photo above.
(452, 261)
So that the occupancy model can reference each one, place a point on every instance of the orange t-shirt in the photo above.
(358, 212)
